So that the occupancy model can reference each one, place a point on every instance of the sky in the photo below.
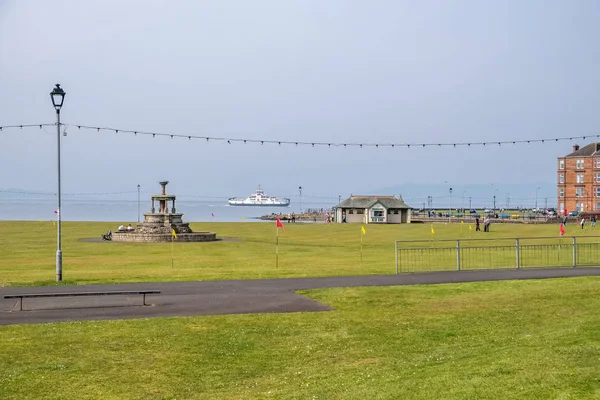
(305, 70)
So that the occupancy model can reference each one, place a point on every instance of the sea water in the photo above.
(126, 211)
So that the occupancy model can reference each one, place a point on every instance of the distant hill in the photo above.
(15, 193)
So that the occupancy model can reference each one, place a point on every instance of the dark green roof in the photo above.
(369, 201)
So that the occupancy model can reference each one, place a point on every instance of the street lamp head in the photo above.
(58, 97)
(138, 186)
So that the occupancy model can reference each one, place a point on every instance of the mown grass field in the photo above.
(28, 251)
(537, 339)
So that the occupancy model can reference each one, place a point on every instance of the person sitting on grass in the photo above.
(129, 227)
(121, 228)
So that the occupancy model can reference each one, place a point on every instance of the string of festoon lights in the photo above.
(21, 126)
(232, 140)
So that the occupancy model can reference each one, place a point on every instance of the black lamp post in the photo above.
(58, 97)
(300, 190)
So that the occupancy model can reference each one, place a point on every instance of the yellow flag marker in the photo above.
(432, 231)
(173, 235)
(363, 232)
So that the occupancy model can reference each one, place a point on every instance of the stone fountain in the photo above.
(158, 224)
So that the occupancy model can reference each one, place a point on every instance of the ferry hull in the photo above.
(259, 199)
(258, 205)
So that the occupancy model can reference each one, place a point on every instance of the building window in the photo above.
(350, 211)
(360, 211)
(561, 192)
(597, 206)
(579, 164)
(579, 207)
(597, 162)
(597, 177)
(378, 213)
(561, 207)
(579, 178)
(579, 192)
(561, 178)
(561, 164)
(598, 192)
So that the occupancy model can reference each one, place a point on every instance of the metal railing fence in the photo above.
(476, 254)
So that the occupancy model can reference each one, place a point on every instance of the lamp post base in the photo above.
(58, 265)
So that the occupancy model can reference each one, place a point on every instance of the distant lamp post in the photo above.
(138, 204)
(536, 197)
(58, 97)
(300, 191)
(449, 205)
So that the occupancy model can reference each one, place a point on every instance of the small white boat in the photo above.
(259, 199)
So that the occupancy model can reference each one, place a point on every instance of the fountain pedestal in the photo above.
(159, 223)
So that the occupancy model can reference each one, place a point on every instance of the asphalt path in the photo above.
(227, 297)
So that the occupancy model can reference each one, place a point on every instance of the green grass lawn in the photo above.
(536, 339)
(28, 251)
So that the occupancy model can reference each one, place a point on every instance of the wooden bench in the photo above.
(74, 294)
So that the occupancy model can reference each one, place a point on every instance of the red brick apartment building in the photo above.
(579, 179)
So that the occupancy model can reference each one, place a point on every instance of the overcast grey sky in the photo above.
(378, 71)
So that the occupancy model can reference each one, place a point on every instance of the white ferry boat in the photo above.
(259, 199)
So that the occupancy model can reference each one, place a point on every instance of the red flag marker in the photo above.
(279, 224)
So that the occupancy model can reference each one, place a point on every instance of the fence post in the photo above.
(574, 251)
(518, 254)
(396, 249)
(458, 255)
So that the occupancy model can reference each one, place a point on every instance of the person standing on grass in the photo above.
(477, 228)
(593, 221)
(582, 223)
